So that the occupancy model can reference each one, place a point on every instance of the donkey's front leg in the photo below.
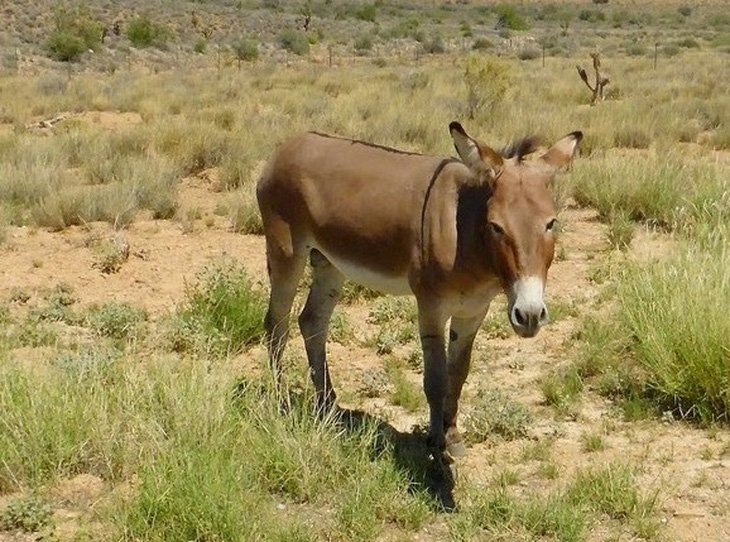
(461, 339)
(431, 325)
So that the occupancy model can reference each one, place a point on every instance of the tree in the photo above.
(600, 82)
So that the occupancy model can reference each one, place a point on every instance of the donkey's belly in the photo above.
(387, 284)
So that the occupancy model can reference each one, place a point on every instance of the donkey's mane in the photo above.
(521, 148)
(366, 143)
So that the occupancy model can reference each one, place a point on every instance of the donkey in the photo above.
(452, 232)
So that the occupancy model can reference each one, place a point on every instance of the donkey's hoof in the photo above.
(455, 443)
(456, 449)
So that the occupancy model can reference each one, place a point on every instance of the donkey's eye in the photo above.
(496, 228)
(550, 225)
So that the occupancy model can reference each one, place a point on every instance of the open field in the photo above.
(135, 402)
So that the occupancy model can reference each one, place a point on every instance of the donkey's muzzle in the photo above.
(528, 312)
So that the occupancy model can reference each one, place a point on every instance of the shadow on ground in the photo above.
(412, 454)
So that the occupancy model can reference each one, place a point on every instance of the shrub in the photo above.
(120, 321)
(507, 17)
(528, 53)
(481, 44)
(144, 32)
(368, 12)
(75, 32)
(200, 46)
(28, 514)
(434, 46)
(246, 50)
(294, 41)
(685, 11)
(636, 49)
(487, 81)
(688, 43)
(495, 412)
(363, 44)
(223, 311)
(591, 15)
(65, 46)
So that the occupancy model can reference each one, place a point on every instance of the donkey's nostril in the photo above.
(543, 315)
(520, 318)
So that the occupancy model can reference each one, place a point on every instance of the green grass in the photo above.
(681, 341)
(593, 442)
(211, 459)
(562, 389)
(404, 393)
(565, 513)
(222, 314)
(657, 188)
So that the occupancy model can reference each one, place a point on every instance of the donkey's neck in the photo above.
(471, 221)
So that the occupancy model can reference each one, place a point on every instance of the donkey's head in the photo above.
(519, 220)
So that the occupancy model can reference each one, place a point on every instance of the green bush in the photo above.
(487, 81)
(76, 31)
(294, 41)
(65, 46)
(144, 32)
(363, 44)
(223, 311)
(368, 12)
(246, 50)
(591, 15)
(688, 43)
(116, 320)
(507, 17)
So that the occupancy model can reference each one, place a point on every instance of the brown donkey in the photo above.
(454, 233)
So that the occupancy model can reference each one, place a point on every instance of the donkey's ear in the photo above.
(473, 153)
(561, 154)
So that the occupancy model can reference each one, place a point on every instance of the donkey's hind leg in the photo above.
(285, 264)
(314, 322)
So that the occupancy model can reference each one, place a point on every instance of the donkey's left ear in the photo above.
(562, 153)
(474, 153)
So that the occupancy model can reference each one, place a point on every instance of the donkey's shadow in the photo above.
(412, 455)
(411, 452)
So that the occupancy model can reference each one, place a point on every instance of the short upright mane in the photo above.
(521, 148)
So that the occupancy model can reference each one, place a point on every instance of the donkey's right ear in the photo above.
(474, 153)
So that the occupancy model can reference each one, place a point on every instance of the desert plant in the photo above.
(116, 320)
(143, 32)
(487, 81)
(509, 18)
(494, 412)
(246, 51)
(223, 310)
(294, 41)
(76, 31)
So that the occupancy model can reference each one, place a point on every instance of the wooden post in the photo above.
(329, 55)
(656, 53)
(543, 55)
